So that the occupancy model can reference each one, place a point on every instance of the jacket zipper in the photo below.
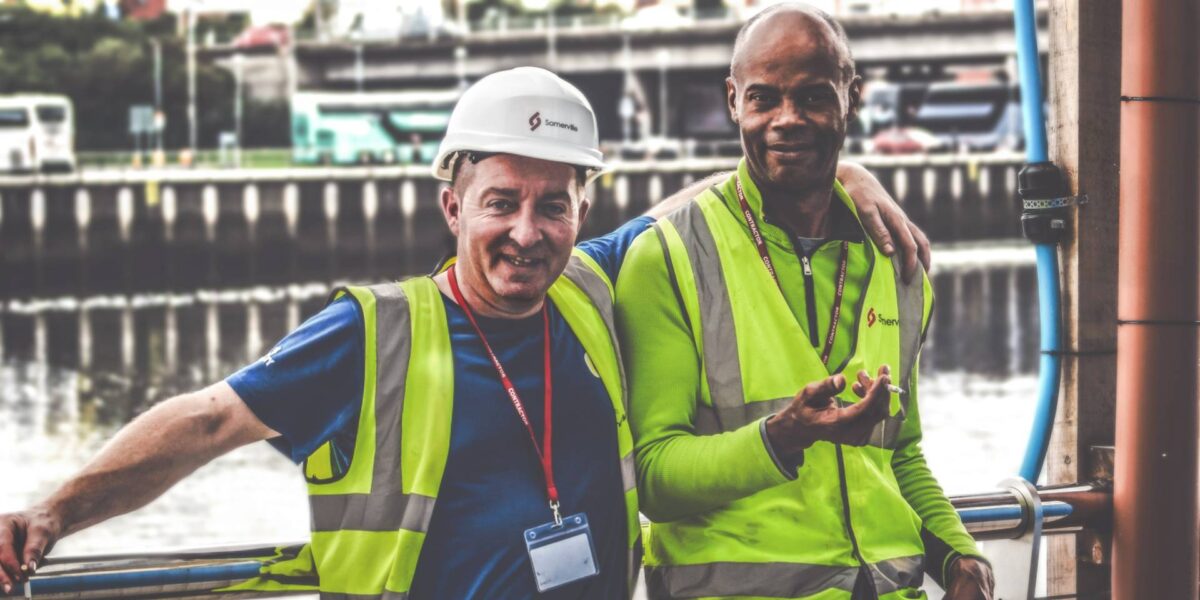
(810, 300)
(850, 525)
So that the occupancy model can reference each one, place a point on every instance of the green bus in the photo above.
(354, 128)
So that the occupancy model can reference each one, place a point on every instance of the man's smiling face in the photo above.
(791, 95)
(516, 220)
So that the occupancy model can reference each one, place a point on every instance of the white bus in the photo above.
(37, 133)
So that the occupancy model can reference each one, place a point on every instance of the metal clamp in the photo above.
(1052, 203)
(1016, 560)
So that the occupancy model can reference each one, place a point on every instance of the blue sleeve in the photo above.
(309, 386)
(609, 250)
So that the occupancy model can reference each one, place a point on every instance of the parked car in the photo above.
(263, 36)
(972, 117)
(887, 104)
(906, 140)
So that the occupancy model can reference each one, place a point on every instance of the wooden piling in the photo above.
(1084, 76)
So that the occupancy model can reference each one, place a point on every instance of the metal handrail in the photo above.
(201, 573)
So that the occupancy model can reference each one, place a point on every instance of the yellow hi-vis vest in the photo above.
(369, 524)
(844, 514)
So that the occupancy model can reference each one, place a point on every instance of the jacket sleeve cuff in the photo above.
(788, 470)
(951, 558)
(940, 556)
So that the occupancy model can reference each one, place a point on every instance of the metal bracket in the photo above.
(1052, 203)
(1015, 561)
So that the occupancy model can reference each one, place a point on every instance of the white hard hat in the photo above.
(525, 111)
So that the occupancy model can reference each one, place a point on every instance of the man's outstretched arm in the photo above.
(144, 459)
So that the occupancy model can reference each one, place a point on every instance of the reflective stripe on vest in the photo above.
(777, 580)
(790, 540)
(384, 596)
(583, 275)
(727, 408)
(369, 524)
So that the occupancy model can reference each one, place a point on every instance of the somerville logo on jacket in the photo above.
(873, 317)
(535, 121)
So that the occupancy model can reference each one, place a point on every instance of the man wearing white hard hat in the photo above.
(462, 437)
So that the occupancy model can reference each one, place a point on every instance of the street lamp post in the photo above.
(191, 75)
(238, 78)
(460, 65)
(159, 117)
(358, 63)
(664, 59)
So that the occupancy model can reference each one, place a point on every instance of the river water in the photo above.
(74, 370)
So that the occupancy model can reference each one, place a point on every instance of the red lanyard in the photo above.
(543, 450)
(761, 245)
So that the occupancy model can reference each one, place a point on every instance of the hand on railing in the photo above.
(25, 537)
(970, 579)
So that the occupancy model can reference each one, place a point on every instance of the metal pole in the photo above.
(1156, 524)
(358, 67)
(291, 71)
(158, 104)
(191, 75)
(238, 77)
(664, 56)
(319, 20)
(460, 65)
(202, 573)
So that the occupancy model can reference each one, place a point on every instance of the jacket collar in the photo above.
(844, 222)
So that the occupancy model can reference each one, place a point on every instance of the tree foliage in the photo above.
(107, 66)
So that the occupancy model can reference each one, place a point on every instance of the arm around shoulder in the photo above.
(685, 195)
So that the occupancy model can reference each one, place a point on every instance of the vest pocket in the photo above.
(330, 461)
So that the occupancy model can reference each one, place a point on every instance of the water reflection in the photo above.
(985, 322)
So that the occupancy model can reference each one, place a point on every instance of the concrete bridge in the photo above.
(688, 64)
(932, 42)
(114, 232)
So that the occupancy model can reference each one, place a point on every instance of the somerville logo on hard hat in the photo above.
(535, 121)
(872, 317)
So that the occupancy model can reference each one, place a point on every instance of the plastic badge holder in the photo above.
(561, 554)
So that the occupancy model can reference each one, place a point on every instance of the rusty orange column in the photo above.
(1156, 525)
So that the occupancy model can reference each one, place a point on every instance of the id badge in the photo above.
(561, 554)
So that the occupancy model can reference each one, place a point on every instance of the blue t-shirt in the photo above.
(309, 388)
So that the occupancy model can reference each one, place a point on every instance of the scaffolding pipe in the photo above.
(1158, 305)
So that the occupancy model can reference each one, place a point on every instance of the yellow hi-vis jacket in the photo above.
(368, 524)
(712, 348)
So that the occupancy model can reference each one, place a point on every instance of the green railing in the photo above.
(251, 158)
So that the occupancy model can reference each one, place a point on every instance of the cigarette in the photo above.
(895, 389)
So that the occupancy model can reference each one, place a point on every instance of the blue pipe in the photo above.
(1028, 60)
(1009, 513)
(1049, 294)
(68, 584)
(1050, 315)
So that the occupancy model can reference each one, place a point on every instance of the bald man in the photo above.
(743, 315)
